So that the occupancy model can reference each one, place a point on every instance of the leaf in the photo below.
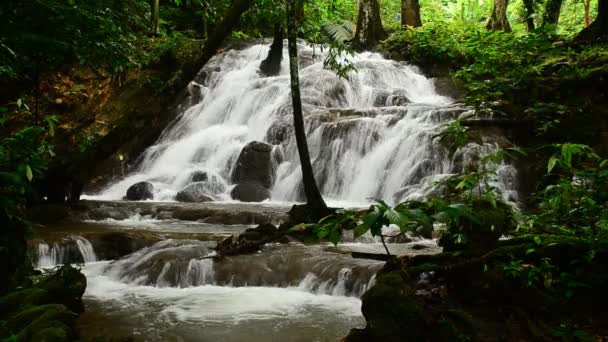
(552, 161)
(19, 102)
(537, 240)
(28, 173)
(360, 230)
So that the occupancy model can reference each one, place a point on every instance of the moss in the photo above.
(22, 298)
(392, 311)
(48, 312)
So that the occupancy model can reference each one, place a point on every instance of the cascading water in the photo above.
(75, 249)
(370, 136)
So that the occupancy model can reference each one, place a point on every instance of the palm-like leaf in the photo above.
(339, 32)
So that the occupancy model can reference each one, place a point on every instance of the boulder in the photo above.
(140, 191)
(199, 176)
(195, 192)
(254, 164)
(250, 192)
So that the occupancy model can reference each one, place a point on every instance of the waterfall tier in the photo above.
(370, 136)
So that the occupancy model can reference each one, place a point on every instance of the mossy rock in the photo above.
(23, 298)
(53, 323)
(392, 311)
(49, 312)
(66, 286)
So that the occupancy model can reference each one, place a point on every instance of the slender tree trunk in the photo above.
(369, 29)
(498, 20)
(597, 31)
(410, 13)
(587, 3)
(314, 201)
(272, 64)
(552, 11)
(155, 16)
(529, 4)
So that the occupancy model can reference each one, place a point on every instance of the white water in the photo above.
(365, 141)
(50, 256)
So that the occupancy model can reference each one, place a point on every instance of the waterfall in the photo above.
(73, 249)
(189, 263)
(370, 136)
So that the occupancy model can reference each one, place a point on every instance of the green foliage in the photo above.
(23, 157)
(48, 33)
(575, 200)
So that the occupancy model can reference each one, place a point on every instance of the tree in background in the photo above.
(498, 20)
(410, 13)
(529, 7)
(155, 16)
(598, 30)
(315, 205)
(552, 11)
(369, 30)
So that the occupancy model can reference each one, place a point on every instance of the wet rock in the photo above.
(106, 212)
(199, 176)
(279, 132)
(449, 87)
(392, 311)
(250, 192)
(418, 247)
(263, 231)
(254, 164)
(115, 245)
(195, 192)
(140, 191)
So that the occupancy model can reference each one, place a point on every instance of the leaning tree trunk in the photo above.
(410, 13)
(155, 16)
(552, 10)
(597, 31)
(529, 5)
(369, 29)
(316, 206)
(498, 21)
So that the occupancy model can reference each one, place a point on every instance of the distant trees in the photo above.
(552, 11)
(529, 5)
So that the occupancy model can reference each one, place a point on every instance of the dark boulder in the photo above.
(115, 245)
(195, 192)
(254, 164)
(250, 192)
(199, 176)
(140, 191)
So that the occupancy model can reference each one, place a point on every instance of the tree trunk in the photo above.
(552, 10)
(272, 64)
(597, 31)
(314, 201)
(155, 16)
(410, 13)
(221, 31)
(369, 29)
(498, 21)
(529, 5)
(587, 3)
